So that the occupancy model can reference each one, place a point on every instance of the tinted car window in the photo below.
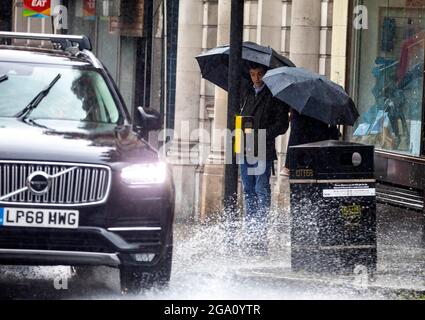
(79, 94)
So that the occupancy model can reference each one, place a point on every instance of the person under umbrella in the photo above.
(270, 116)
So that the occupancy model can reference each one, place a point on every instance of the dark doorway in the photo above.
(144, 61)
(6, 15)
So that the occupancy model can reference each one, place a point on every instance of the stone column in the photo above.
(301, 36)
(213, 177)
(283, 184)
(269, 23)
(326, 37)
(183, 153)
(339, 41)
(250, 20)
(305, 33)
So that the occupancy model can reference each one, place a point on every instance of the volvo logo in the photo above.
(39, 183)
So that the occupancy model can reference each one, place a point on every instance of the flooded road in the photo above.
(203, 269)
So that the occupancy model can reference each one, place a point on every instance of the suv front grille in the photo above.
(71, 184)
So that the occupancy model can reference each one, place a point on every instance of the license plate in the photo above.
(39, 218)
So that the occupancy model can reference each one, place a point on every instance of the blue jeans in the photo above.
(257, 201)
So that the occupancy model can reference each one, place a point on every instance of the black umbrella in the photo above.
(312, 94)
(214, 63)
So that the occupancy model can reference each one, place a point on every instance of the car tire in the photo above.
(136, 279)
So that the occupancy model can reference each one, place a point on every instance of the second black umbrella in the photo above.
(312, 94)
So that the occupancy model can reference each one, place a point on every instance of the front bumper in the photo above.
(84, 246)
(46, 257)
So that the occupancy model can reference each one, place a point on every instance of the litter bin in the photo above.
(333, 207)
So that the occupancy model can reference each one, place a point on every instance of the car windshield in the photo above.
(79, 94)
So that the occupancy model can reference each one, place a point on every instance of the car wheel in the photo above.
(135, 279)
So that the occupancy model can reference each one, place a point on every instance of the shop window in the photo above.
(388, 74)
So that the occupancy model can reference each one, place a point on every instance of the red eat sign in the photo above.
(89, 8)
(37, 5)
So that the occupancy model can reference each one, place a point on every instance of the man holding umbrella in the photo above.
(269, 116)
(269, 119)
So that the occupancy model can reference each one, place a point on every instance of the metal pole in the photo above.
(235, 74)
(165, 65)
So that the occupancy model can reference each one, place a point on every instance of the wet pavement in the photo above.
(203, 269)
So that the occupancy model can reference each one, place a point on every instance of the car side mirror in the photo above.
(147, 119)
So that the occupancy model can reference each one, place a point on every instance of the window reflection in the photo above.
(390, 70)
(78, 95)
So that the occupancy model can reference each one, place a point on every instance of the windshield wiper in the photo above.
(4, 78)
(37, 100)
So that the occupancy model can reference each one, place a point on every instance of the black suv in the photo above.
(78, 184)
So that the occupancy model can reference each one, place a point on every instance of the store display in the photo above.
(392, 119)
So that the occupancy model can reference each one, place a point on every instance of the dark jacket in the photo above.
(305, 129)
(269, 113)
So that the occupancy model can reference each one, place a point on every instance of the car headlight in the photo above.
(149, 173)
